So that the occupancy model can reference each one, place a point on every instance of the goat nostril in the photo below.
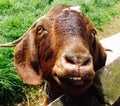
(69, 60)
(83, 61)
(86, 61)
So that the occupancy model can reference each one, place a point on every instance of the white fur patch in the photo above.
(73, 8)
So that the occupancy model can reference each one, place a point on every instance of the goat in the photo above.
(60, 47)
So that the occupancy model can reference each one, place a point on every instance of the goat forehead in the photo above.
(69, 23)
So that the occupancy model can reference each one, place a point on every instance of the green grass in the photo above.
(10, 84)
(16, 16)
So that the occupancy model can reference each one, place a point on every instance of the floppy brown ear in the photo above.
(26, 59)
(99, 55)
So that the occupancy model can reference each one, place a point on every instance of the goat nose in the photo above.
(78, 60)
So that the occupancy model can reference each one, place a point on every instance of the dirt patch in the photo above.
(112, 28)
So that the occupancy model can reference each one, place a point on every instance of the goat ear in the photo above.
(26, 59)
(99, 55)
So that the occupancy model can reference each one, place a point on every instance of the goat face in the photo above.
(73, 67)
(62, 48)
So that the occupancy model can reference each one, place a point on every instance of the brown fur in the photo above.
(67, 35)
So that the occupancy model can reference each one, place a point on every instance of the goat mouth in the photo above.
(74, 85)
(72, 82)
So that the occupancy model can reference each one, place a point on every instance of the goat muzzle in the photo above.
(74, 71)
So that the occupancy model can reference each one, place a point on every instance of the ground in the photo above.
(112, 28)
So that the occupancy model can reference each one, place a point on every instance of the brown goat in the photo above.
(60, 47)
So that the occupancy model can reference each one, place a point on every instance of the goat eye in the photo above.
(93, 33)
(40, 29)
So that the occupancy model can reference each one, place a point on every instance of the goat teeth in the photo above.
(75, 78)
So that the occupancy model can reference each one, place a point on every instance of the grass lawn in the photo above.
(16, 17)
